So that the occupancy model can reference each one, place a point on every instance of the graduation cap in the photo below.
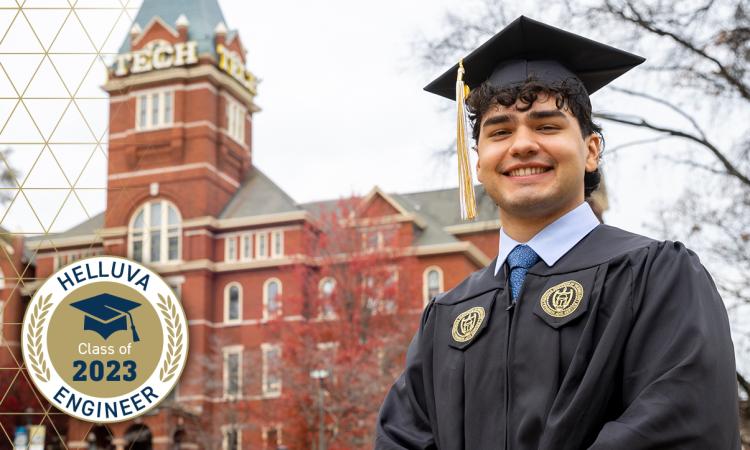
(526, 49)
(106, 314)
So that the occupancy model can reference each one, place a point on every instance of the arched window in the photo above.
(432, 282)
(326, 288)
(155, 232)
(233, 302)
(271, 302)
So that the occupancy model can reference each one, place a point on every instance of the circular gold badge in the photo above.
(467, 324)
(105, 339)
(563, 299)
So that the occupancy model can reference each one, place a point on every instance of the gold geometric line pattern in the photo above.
(85, 134)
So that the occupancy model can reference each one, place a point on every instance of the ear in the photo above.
(593, 148)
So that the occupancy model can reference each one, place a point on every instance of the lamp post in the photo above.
(320, 375)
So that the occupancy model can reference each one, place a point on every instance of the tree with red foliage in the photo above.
(359, 312)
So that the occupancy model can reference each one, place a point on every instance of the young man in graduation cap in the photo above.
(579, 335)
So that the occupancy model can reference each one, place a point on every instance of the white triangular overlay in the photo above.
(98, 23)
(92, 83)
(20, 38)
(47, 204)
(20, 128)
(46, 83)
(96, 113)
(72, 128)
(72, 68)
(20, 217)
(20, 69)
(46, 113)
(22, 158)
(94, 175)
(46, 23)
(46, 174)
(93, 200)
(72, 158)
(72, 38)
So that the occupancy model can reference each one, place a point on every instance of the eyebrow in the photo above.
(533, 115)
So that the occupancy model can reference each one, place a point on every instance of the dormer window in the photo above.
(154, 109)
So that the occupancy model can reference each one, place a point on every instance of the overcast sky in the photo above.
(342, 105)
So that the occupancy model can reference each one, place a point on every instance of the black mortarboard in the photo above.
(522, 50)
(527, 47)
(105, 314)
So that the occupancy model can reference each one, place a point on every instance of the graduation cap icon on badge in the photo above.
(107, 314)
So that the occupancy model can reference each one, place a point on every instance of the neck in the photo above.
(523, 228)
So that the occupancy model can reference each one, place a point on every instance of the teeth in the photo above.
(526, 171)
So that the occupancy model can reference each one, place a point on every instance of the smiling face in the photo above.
(532, 162)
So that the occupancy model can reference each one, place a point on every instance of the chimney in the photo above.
(221, 33)
(182, 24)
(135, 32)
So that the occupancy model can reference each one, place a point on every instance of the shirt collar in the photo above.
(556, 239)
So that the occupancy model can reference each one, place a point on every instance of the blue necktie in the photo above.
(520, 260)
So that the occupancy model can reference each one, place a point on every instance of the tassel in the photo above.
(466, 183)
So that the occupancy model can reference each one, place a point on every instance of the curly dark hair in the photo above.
(570, 94)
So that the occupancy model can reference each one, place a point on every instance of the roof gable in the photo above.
(156, 29)
(379, 204)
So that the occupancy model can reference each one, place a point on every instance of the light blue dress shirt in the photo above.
(556, 239)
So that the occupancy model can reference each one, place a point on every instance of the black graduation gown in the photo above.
(644, 361)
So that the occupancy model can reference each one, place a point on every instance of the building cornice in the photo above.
(474, 227)
(472, 251)
(53, 242)
(263, 219)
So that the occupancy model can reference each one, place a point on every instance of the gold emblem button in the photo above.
(563, 299)
(467, 324)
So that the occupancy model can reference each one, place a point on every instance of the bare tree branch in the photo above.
(643, 123)
(638, 19)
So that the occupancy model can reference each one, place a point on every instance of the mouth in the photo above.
(526, 171)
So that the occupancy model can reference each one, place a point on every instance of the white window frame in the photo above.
(322, 314)
(266, 314)
(264, 236)
(277, 237)
(225, 435)
(251, 250)
(226, 351)
(227, 288)
(279, 438)
(230, 248)
(164, 230)
(381, 305)
(272, 391)
(162, 122)
(236, 114)
(176, 282)
(425, 283)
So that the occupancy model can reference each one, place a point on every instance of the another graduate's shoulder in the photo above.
(476, 284)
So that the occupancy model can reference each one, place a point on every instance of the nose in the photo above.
(523, 144)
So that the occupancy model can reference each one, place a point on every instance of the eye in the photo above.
(548, 127)
(500, 133)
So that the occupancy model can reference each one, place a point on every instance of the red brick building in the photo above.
(185, 198)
